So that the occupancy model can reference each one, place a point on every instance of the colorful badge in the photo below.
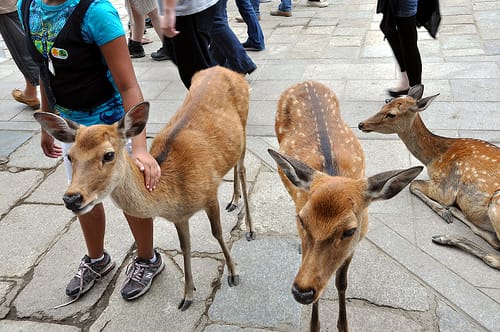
(59, 53)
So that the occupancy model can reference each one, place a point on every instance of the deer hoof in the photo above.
(230, 207)
(233, 280)
(184, 304)
(250, 236)
(441, 239)
(447, 216)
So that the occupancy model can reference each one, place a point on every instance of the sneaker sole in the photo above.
(148, 286)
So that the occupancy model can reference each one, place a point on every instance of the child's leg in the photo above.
(142, 230)
(93, 226)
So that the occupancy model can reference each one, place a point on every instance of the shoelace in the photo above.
(135, 272)
(81, 275)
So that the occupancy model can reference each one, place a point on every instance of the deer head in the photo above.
(334, 218)
(97, 154)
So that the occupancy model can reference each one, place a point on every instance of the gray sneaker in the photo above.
(140, 274)
(87, 274)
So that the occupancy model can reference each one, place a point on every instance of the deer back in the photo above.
(309, 128)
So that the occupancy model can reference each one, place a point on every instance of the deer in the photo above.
(321, 164)
(202, 142)
(464, 173)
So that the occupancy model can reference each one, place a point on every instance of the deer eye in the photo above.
(390, 115)
(348, 233)
(108, 156)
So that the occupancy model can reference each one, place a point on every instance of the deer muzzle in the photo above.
(303, 296)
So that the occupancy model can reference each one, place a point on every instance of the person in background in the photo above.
(13, 36)
(285, 7)
(250, 14)
(188, 25)
(226, 48)
(137, 10)
(399, 25)
(86, 76)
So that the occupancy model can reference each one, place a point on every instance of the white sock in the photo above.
(153, 259)
(93, 260)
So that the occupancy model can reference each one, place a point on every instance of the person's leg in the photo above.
(407, 28)
(137, 26)
(14, 38)
(190, 49)
(93, 225)
(284, 9)
(225, 43)
(148, 263)
(255, 39)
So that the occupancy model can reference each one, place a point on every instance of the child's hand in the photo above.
(148, 165)
(49, 148)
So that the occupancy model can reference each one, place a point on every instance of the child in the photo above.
(87, 77)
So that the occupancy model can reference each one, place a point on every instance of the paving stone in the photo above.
(36, 225)
(229, 328)
(20, 326)
(16, 186)
(450, 320)
(258, 301)
(11, 140)
(30, 155)
(52, 188)
(8, 289)
(157, 310)
(58, 263)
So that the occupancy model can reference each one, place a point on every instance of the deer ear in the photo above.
(300, 174)
(423, 103)
(61, 129)
(388, 184)
(416, 91)
(134, 121)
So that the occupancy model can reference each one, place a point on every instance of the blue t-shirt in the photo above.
(101, 24)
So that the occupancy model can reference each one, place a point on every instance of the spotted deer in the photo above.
(464, 173)
(321, 164)
(203, 141)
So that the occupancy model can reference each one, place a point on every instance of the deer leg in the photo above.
(213, 214)
(314, 325)
(236, 191)
(250, 234)
(341, 284)
(185, 242)
(489, 237)
(494, 214)
(470, 247)
(423, 190)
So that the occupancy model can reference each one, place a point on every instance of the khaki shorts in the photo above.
(143, 6)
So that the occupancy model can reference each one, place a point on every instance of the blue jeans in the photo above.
(249, 15)
(285, 6)
(406, 8)
(226, 48)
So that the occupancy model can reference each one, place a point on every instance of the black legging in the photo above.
(404, 46)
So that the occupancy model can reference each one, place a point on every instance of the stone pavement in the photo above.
(398, 281)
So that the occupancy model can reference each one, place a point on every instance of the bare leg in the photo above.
(137, 25)
(30, 91)
(142, 230)
(93, 226)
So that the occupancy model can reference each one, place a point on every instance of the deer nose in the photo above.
(361, 125)
(303, 296)
(73, 202)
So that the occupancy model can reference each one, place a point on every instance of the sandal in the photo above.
(20, 97)
(146, 41)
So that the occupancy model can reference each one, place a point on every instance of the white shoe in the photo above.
(319, 4)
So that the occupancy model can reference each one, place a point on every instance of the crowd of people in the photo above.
(97, 83)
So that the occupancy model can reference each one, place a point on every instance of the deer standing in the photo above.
(464, 172)
(321, 163)
(201, 143)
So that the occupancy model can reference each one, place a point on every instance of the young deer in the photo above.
(321, 163)
(201, 143)
(464, 173)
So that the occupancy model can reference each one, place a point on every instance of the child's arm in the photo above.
(118, 60)
(47, 142)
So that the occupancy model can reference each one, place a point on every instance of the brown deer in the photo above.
(464, 172)
(202, 142)
(321, 163)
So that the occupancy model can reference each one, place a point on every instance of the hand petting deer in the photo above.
(464, 172)
(204, 140)
(321, 163)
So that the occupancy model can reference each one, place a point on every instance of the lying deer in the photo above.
(464, 173)
(202, 142)
(321, 163)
